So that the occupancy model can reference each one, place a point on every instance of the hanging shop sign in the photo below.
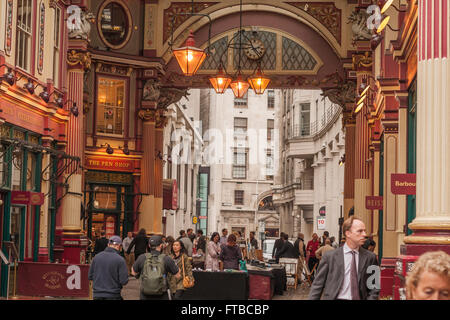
(170, 194)
(27, 198)
(322, 211)
(194, 220)
(403, 183)
(109, 164)
(374, 203)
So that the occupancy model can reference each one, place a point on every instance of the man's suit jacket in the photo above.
(330, 275)
(287, 251)
(277, 246)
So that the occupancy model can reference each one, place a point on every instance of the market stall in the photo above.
(218, 285)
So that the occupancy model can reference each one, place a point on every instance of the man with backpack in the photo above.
(152, 269)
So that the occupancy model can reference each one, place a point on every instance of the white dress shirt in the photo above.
(345, 291)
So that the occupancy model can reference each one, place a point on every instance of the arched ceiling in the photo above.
(320, 34)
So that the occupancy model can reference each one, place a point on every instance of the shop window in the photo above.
(16, 176)
(56, 47)
(31, 171)
(24, 34)
(111, 106)
(114, 24)
(105, 198)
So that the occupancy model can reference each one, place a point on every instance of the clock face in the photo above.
(255, 49)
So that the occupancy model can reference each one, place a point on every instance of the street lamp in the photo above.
(189, 57)
(259, 81)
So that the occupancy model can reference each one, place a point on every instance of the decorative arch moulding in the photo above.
(180, 7)
(326, 13)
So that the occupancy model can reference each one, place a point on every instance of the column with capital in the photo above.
(349, 165)
(73, 239)
(431, 227)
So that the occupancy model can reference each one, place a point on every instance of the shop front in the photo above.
(110, 196)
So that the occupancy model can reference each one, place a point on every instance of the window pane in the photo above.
(114, 24)
(111, 95)
(105, 197)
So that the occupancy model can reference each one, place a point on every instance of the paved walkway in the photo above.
(131, 292)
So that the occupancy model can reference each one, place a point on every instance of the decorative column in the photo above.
(155, 101)
(73, 239)
(349, 169)
(431, 227)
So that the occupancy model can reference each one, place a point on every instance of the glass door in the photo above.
(17, 230)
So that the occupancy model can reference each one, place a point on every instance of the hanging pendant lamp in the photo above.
(220, 81)
(239, 86)
(259, 82)
(189, 57)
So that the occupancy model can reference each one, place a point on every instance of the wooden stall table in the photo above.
(220, 285)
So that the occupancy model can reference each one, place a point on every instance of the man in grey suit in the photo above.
(343, 272)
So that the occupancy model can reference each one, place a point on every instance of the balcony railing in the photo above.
(305, 184)
(311, 129)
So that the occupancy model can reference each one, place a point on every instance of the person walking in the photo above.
(230, 254)
(129, 257)
(333, 242)
(287, 250)
(187, 242)
(182, 261)
(190, 234)
(311, 249)
(299, 245)
(253, 241)
(327, 247)
(325, 236)
(108, 272)
(167, 250)
(212, 253)
(152, 270)
(224, 237)
(278, 245)
(342, 273)
(100, 244)
(140, 244)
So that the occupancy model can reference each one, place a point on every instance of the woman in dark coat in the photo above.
(230, 254)
(140, 243)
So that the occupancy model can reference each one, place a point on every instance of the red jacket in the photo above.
(312, 247)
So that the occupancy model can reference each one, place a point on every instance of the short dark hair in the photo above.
(285, 236)
(369, 243)
(252, 232)
(326, 233)
(214, 235)
(200, 231)
(231, 238)
(224, 229)
(182, 232)
(190, 229)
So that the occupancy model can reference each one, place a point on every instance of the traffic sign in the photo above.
(320, 223)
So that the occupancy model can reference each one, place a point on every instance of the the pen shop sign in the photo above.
(109, 164)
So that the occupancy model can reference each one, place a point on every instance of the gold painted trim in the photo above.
(130, 24)
(94, 153)
(426, 240)
(429, 226)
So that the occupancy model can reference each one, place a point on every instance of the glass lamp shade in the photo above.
(189, 57)
(259, 82)
(220, 81)
(239, 87)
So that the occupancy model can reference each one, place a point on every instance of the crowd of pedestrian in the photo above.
(164, 265)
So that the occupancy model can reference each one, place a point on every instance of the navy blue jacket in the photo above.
(109, 273)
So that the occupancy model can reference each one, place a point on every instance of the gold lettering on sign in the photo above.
(405, 184)
(52, 280)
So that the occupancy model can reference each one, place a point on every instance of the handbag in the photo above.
(187, 282)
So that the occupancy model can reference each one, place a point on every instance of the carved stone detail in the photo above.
(344, 93)
(359, 19)
(81, 27)
(79, 58)
(151, 90)
(361, 61)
